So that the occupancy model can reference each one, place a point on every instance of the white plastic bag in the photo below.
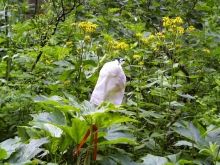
(110, 85)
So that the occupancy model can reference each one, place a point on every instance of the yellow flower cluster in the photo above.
(15, 5)
(66, 82)
(141, 63)
(138, 35)
(145, 41)
(87, 26)
(121, 45)
(69, 43)
(136, 56)
(87, 38)
(190, 28)
(118, 45)
(168, 22)
(180, 30)
(78, 49)
(207, 51)
(160, 35)
(151, 36)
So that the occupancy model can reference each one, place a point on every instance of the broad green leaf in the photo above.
(123, 159)
(56, 117)
(27, 151)
(154, 160)
(119, 134)
(10, 145)
(77, 131)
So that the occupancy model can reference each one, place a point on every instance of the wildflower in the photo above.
(87, 26)
(68, 43)
(160, 35)
(136, 56)
(166, 21)
(190, 28)
(66, 82)
(41, 15)
(15, 5)
(206, 50)
(155, 49)
(87, 38)
(198, 71)
(138, 35)
(141, 63)
(180, 30)
(116, 52)
(157, 43)
(78, 49)
(73, 24)
(177, 20)
(145, 41)
(152, 36)
(121, 45)
(112, 44)
(177, 45)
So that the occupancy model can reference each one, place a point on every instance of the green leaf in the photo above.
(123, 159)
(77, 131)
(118, 134)
(56, 117)
(27, 151)
(10, 145)
(154, 160)
(3, 154)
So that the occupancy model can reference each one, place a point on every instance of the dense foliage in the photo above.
(50, 58)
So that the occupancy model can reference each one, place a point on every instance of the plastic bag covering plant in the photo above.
(67, 121)
(13, 151)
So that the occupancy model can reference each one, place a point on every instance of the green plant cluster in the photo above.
(50, 57)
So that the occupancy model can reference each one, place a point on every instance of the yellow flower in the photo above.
(166, 21)
(160, 35)
(155, 49)
(177, 20)
(87, 26)
(206, 50)
(138, 35)
(152, 36)
(73, 24)
(141, 63)
(87, 38)
(190, 28)
(78, 49)
(145, 41)
(41, 15)
(15, 5)
(116, 52)
(136, 56)
(177, 45)
(180, 30)
(69, 43)
(198, 71)
(121, 45)
(66, 82)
